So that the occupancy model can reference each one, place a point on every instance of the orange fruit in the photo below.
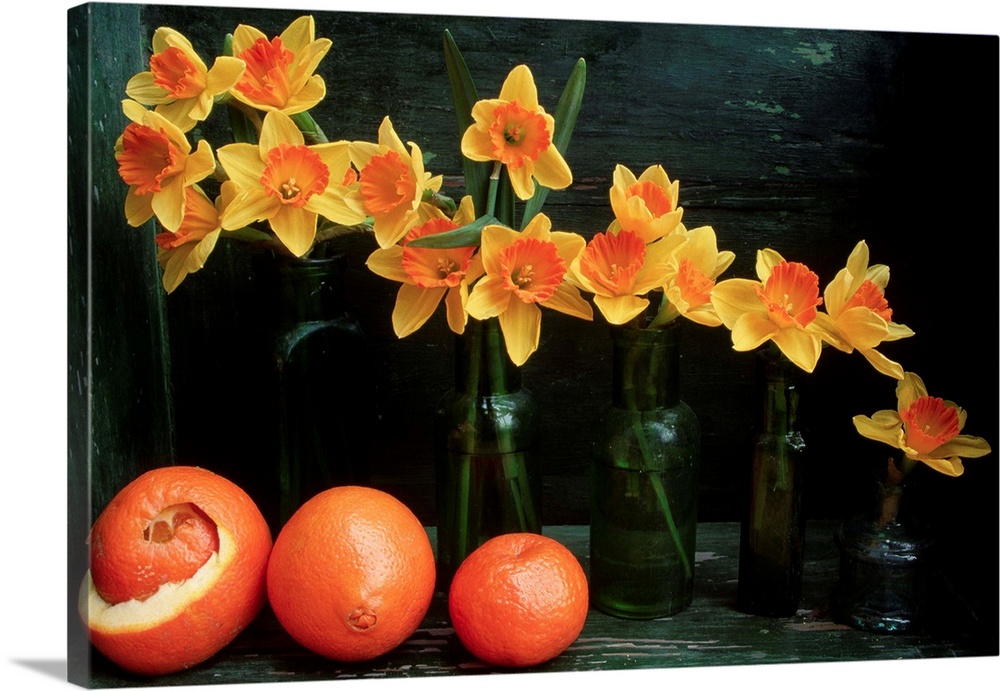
(178, 564)
(351, 574)
(518, 600)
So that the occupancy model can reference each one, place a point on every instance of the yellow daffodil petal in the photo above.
(567, 299)
(311, 93)
(964, 445)
(249, 207)
(138, 208)
(881, 363)
(909, 389)
(338, 206)
(799, 347)
(387, 263)
(454, 303)
(568, 245)
(552, 171)
(734, 297)
(488, 298)
(296, 228)
(620, 309)
(767, 259)
(951, 467)
(168, 204)
(883, 426)
(898, 331)
(225, 72)
(299, 33)
(521, 324)
(278, 129)
(520, 86)
(521, 181)
(751, 330)
(242, 164)
(142, 88)
(414, 306)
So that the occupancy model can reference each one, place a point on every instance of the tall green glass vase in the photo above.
(323, 400)
(772, 532)
(487, 471)
(644, 481)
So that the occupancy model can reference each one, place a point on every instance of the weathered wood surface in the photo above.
(709, 632)
(803, 140)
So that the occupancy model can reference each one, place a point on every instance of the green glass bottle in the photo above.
(487, 472)
(644, 481)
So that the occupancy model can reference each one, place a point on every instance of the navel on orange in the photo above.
(518, 600)
(178, 563)
(351, 575)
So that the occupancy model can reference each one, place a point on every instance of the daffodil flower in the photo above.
(780, 307)
(647, 205)
(288, 184)
(693, 268)
(926, 429)
(178, 82)
(430, 275)
(620, 269)
(393, 183)
(524, 270)
(185, 250)
(859, 315)
(279, 72)
(155, 161)
(516, 131)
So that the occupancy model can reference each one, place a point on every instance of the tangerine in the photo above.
(178, 563)
(351, 575)
(518, 600)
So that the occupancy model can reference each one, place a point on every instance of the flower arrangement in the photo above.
(281, 184)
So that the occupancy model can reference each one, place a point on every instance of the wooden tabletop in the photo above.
(710, 632)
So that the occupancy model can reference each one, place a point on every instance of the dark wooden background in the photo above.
(802, 140)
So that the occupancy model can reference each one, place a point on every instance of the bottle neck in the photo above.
(645, 367)
(778, 379)
(482, 366)
(308, 289)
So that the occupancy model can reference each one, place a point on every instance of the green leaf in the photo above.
(466, 236)
(565, 116)
(309, 128)
(464, 95)
(243, 129)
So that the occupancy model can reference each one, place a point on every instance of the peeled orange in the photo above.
(351, 575)
(178, 563)
(518, 600)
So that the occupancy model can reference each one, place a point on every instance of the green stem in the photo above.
(513, 463)
(491, 195)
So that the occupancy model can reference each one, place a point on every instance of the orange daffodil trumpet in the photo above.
(429, 275)
(283, 181)
(156, 161)
(620, 269)
(178, 83)
(515, 130)
(858, 314)
(925, 428)
(393, 183)
(525, 270)
(780, 307)
(279, 72)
